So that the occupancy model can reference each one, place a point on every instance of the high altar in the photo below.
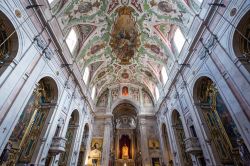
(125, 143)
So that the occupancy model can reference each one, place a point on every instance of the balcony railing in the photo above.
(57, 145)
(192, 145)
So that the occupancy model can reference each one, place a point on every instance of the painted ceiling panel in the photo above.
(125, 41)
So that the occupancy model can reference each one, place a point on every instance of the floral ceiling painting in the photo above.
(130, 40)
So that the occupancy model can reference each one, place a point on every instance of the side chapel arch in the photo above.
(166, 145)
(179, 133)
(8, 42)
(241, 45)
(70, 136)
(83, 148)
(226, 141)
(23, 143)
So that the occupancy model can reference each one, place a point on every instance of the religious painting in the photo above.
(96, 143)
(95, 154)
(153, 144)
(125, 38)
(125, 91)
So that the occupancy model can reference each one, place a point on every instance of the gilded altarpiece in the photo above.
(125, 140)
(27, 131)
(70, 136)
(180, 137)
(223, 131)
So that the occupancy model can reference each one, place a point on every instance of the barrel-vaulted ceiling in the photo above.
(124, 41)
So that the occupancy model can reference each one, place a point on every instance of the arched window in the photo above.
(71, 40)
(179, 39)
(93, 92)
(86, 75)
(50, 1)
(157, 94)
(199, 1)
(164, 75)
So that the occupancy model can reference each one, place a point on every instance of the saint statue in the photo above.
(125, 152)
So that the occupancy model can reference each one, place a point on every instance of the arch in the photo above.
(129, 101)
(9, 43)
(24, 140)
(83, 148)
(197, 77)
(125, 122)
(241, 45)
(166, 145)
(185, 158)
(219, 124)
(70, 136)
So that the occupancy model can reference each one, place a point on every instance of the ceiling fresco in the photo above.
(125, 41)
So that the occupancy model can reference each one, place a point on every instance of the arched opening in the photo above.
(185, 158)
(71, 40)
(125, 148)
(242, 44)
(166, 147)
(70, 136)
(93, 93)
(83, 148)
(157, 93)
(226, 140)
(26, 135)
(179, 40)
(164, 75)
(50, 1)
(8, 42)
(86, 75)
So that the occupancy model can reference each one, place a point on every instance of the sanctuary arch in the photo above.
(126, 133)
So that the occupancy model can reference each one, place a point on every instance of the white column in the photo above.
(106, 142)
(144, 143)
